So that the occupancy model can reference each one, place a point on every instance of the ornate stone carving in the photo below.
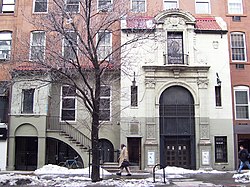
(150, 83)
(204, 131)
(150, 131)
(202, 83)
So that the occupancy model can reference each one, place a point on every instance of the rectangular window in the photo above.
(241, 104)
(220, 149)
(105, 5)
(134, 96)
(7, 6)
(105, 103)
(175, 53)
(170, 4)
(5, 45)
(37, 46)
(73, 6)
(28, 100)
(138, 5)
(235, 7)
(202, 7)
(218, 95)
(3, 109)
(104, 46)
(40, 6)
(70, 46)
(68, 103)
(238, 46)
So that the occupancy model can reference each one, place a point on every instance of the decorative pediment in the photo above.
(175, 16)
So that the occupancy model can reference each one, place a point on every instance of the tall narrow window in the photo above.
(28, 100)
(218, 95)
(3, 109)
(73, 6)
(70, 46)
(105, 45)
(134, 96)
(170, 4)
(7, 6)
(68, 103)
(220, 149)
(138, 5)
(238, 46)
(202, 7)
(105, 5)
(37, 46)
(175, 48)
(241, 99)
(235, 7)
(105, 103)
(5, 45)
(40, 6)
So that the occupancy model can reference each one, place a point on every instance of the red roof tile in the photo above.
(207, 24)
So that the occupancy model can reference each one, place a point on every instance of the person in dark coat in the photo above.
(243, 156)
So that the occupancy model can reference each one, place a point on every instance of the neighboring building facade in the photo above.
(198, 80)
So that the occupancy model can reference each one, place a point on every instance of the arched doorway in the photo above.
(177, 128)
(106, 150)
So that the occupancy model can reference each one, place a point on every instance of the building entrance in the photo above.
(177, 128)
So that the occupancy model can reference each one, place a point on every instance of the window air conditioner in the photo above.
(3, 56)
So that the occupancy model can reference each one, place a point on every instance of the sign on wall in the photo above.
(151, 158)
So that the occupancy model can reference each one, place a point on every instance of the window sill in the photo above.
(240, 15)
(218, 107)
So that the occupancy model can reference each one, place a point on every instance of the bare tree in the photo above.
(83, 30)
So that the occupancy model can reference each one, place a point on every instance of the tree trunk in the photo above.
(95, 174)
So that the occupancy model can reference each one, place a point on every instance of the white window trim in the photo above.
(110, 44)
(10, 4)
(31, 40)
(110, 104)
(245, 51)
(65, 1)
(177, 1)
(7, 39)
(241, 88)
(33, 11)
(228, 9)
(61, 97)
(104, 10)
(131, 7)
(203, 1)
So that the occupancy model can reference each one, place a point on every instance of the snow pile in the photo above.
(243, 178)
(58, 170)
(182, 171)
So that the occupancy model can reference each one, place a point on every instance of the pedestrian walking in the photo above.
(123, 161)
(243, 156)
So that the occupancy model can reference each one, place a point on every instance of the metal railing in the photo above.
(176, 59)
(53, 123)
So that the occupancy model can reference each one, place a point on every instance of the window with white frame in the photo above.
(5, 45)
(27, 100)
(72, 6)
(37, 45)
(235, 7)
(7, 6)
(104, 43)
(241, 102)
(138, 5)
(202, 6)
(70, 45)
(105, 103)
(40, 6)
(68, 103)
(238, 46)
(170, 4)
(105, 5)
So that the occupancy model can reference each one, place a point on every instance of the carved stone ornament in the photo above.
(174, 21)
(202, 83)
(150, 83)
